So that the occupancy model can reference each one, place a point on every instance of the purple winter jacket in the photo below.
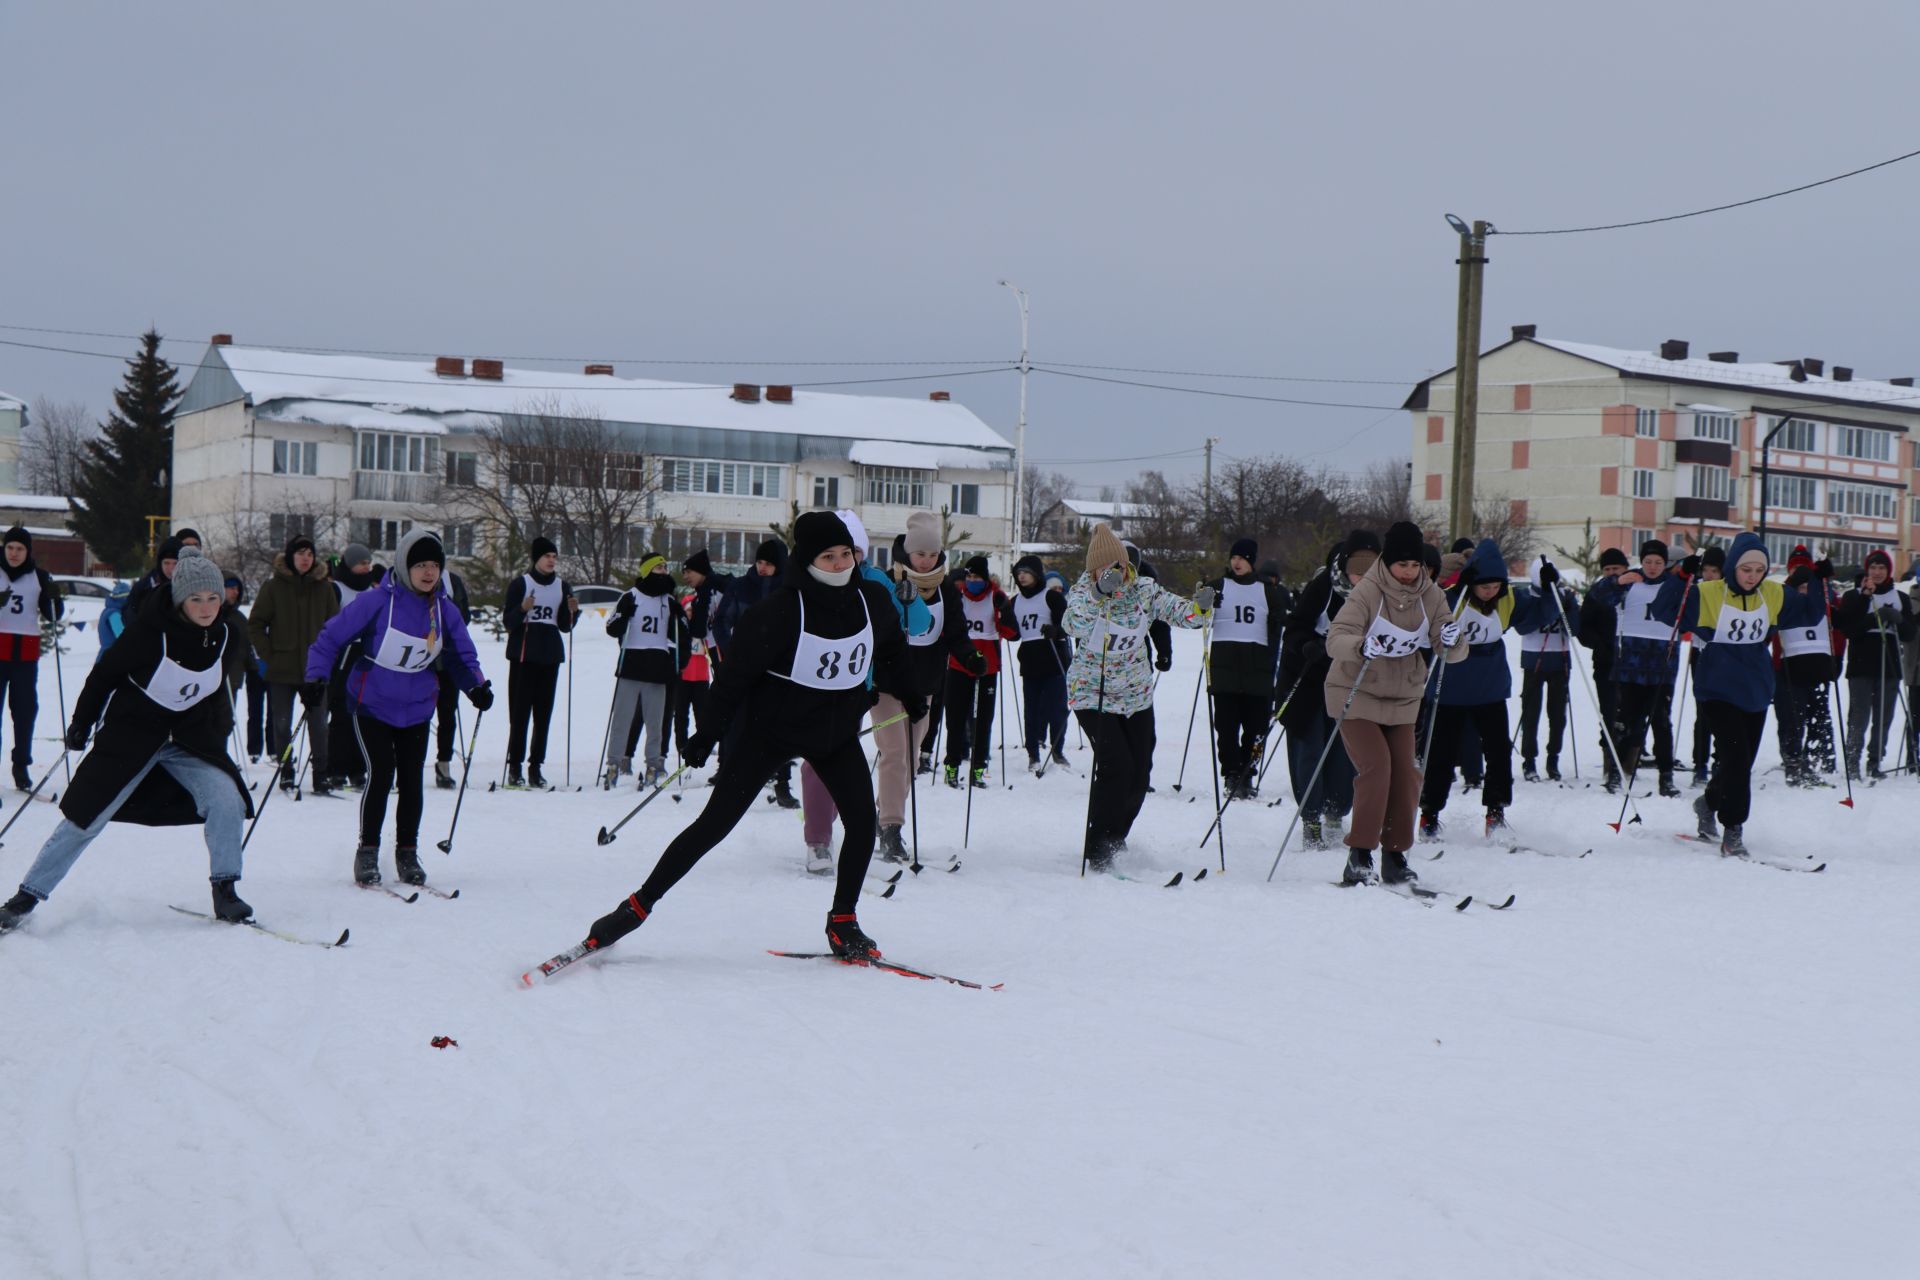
(399, 698)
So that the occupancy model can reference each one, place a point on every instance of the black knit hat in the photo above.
(19, 534)
(1268, 569)
(699, 563)
(978, 567)
(1246, 548)
(1361, 540)
(1430, 557)
(1653, 547)
(1613, 556)
(1461, 547)
(1403, 542)
(818, 531)
(773, 551)
(541, 547)
(421, 546)
(1714, 557)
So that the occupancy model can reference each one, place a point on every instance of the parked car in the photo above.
(597, 600)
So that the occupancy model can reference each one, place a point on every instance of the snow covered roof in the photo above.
(920, 457)
(1107, 510)
(380, 417)
(11, 402)
(1765, 378)
(32, 502)
(313, 383)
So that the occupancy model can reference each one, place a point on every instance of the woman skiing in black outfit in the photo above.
(161, 758)
(796, 669)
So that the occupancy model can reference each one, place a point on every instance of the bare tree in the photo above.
(559, 471)
(1040, 492)
(247, 543)
(53, 448)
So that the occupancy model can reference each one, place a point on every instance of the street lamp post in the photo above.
(1020, 435)
(1766, 446)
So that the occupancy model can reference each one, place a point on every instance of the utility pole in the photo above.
(1020, 437)
(1466, 369)
(1211, 538)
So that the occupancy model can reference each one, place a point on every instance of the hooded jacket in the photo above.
(137, 726)
(1391, 690)
(398, 698)
(1112, 668)
(1732, 668)
(1303, 648)
(744, 592)
(287, 616)
(1478, 672)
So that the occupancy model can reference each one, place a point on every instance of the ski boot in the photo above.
(1497, 827)
(16, 909)
(443, 774)
(1700, 778)
(406, 865)
(1033, 765)
(953, 776)
(20, 779)
(1703, 817)
(783, 794)
(980, 777)
(288, 782)
(848, 940)
(819, 859)
(1059, 757)
(1394, 868)
(1527, 771)
(516, 780)
(1667, 788)
(1553, 768)
(366, 864)
(536, 779)
(1429, 826)
(1359, 867)
(892, 848)
(1313, 835)
(1731, 843)
(226, 903)
(323, 786)
(617, 923)
(926, 765)
(1613, 782)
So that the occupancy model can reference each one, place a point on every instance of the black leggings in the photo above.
(969, 717)
(1240, 722)
(843, 771)
(1122, 762)
(1736, 741)
(446, 717)
(391, 755)
(529, 692)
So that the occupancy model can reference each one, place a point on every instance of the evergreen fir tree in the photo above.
(124, 478)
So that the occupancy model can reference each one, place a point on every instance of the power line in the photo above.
(1207, 391)
(1246, 377)
(1143, 457)
(1718, 208)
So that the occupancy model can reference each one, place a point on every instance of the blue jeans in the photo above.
(1332, 795)
(1045, 710)
(214, 795)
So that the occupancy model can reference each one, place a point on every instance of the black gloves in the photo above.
(1313, 651)
(1549, 575)
(700, 746)
(1823, 569)
(1163, 660)
(1691, 566)
(976, 664)
(313, 693)
(481, 695)
(1800, 577)
(76, 738)
(1049, 632)
(915, 705)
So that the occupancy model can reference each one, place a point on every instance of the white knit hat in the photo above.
(854, 527)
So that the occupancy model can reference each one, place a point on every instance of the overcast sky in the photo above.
(1243, 188)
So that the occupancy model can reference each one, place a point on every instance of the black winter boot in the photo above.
(227, 904)
(536, 779)
(1705, 826)
(892, 848)
(1667, 787)
(848, 940)
(17, 908)
(783, 793)
(366, 864)
(406, 864)
(443, 774)
(1359, 867)
(617, 923)
(1394, 868)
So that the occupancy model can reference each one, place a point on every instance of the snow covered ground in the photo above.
(1655, 1064)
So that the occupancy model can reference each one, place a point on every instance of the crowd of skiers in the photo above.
(1387, 676)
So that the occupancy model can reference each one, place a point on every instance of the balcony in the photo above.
(1700, 509)
(1712, 453)
(393, 486)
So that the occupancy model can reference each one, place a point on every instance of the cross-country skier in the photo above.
(161, 757)
(969, 698)
(539, 609)
(1110, 688)
(1248, 617)
(796, 668)
(650, 628)
(1713, 564)
(1034, 612)
(1546, 666)
(400, 626)
(1878, 621)
(1599, 628)
(1808, 659)
(1303, 672)
(28, 597)
(1394, 618)
(1646, 657)
(353, 573)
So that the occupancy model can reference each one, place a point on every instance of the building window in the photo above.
(826, 491)
(462, 468)
(1642, 483)
(882, 557)
(1798, 435)
(296, 458)
(626, 471)
(1851, 551)
(1646, 422)
(728, 548)
(1796, 493)
(1866, 500)
(730, 479)
(1639, 538)
(897, 486)
(388, 451)
(385, 535)
(1713, 426)
(457, 539)
(966, 500)
(1712, 483)
(1865, 443)
(1913, 510)
(283, 529)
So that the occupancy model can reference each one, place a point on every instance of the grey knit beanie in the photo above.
(194, 572)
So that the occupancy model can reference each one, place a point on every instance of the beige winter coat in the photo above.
(1391, 692)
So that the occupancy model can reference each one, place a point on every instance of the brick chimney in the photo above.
(746, 392)
(450, 367)
(1673, 349)
(492, 370)
(779, 393)
(1900, 382)
(939, 397)
(1842, 374)
(601, 370)
(221, 340)
(1724, 357)
(1813, 366)
(1798, 372)
(1525, 331)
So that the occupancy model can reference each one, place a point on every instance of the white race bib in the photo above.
(1401, 641)
(1240, 615)
(937, 609)
(402, 652)
(20, 615)
(647, 628)
(1031, 614)
(838, 665)
(1742, 626)
(1802, 642)
(546, 601)
(1636, 613)
(979, 616)
(178, 689)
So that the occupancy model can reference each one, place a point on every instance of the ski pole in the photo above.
(567, 774)
(51, 770)
(1332, 738)
(1213, 752)
(966, 830)
(606, 735)
(60, 684)
(466, 769)
(1840, 711)
(1000, 652)
(286, 755)
(913, 797)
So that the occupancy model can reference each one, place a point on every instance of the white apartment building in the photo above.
(13, 421)
(1662, 443)
(275, 442)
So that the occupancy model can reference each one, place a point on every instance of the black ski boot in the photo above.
(516, 780)
(1528, 773)
(1703, 817)
(536, 779)
(1731, 843)
(1394, 868)
(366, 864)
(1359, 867)
(783, 793)
(227, 904)
(1497, 823)
(848, 940)
(1667, 788)
(1553, 768)
(20, 778)
(1613, 782)
(406, 865)
(443, 774)
(617, 923)
(17, 909)
(1429, 826)
(892, 848)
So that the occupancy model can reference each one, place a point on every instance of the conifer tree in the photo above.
(124, 478)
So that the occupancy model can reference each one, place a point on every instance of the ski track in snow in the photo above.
(1657, 1063)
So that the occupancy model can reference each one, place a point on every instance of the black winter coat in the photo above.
(537, 644)
(1875, 637)
(1238, 667)
(928, 662)
(136, 726)
(1303, 653)
(786, 720)
(1599, 626)
(1034, 658)
(655, 666)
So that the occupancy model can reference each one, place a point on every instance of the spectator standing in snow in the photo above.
(164, 561)
(28, 597)
(539, 609)
(1033, 612)
(294, 602)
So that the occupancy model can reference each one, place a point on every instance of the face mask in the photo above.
(840, 579)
